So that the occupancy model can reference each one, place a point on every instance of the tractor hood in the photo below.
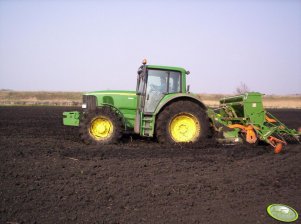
(112, 92)
(123, 101)
(119, 99)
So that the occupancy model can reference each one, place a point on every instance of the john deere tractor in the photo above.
(162, 107)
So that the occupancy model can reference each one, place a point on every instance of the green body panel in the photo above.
(247, 106)
(71, 118)
(123, 101)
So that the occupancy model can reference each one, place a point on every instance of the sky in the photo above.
(86, 45)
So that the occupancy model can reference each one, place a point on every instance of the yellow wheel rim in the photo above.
(101, 128)
(184, 127)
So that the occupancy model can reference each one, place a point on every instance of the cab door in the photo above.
(140, 92)
(152, 86)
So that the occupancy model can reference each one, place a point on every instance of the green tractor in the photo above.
(162, 107)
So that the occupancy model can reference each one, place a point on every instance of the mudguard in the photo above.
(183, 96)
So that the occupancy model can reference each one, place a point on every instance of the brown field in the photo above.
(74, 99)
(49, 176)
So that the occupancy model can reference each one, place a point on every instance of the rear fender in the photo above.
(168, 100)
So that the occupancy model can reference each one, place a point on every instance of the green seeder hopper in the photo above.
(242, 118)
(163, 108)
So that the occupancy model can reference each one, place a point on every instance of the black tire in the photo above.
(116, 126)
(170, 112)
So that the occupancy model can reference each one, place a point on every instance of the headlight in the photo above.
(84, 106)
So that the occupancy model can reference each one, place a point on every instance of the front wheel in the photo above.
(182, 121)
(102, 126)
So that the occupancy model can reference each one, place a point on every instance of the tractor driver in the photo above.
(157, 80)
(157, 88)
(163, 84)
(158, 84)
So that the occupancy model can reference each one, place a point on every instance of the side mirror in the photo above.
(188, 89)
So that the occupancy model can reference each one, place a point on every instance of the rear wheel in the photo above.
(182, 121)
(103, 126)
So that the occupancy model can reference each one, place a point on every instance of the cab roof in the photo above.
(166, 68)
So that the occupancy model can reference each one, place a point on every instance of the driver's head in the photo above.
(163, 79)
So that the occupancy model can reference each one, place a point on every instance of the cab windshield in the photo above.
(163, 81)
(160, 83)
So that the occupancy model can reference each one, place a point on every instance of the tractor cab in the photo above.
(154, 83)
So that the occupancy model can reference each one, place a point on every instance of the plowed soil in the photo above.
(48, 176)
